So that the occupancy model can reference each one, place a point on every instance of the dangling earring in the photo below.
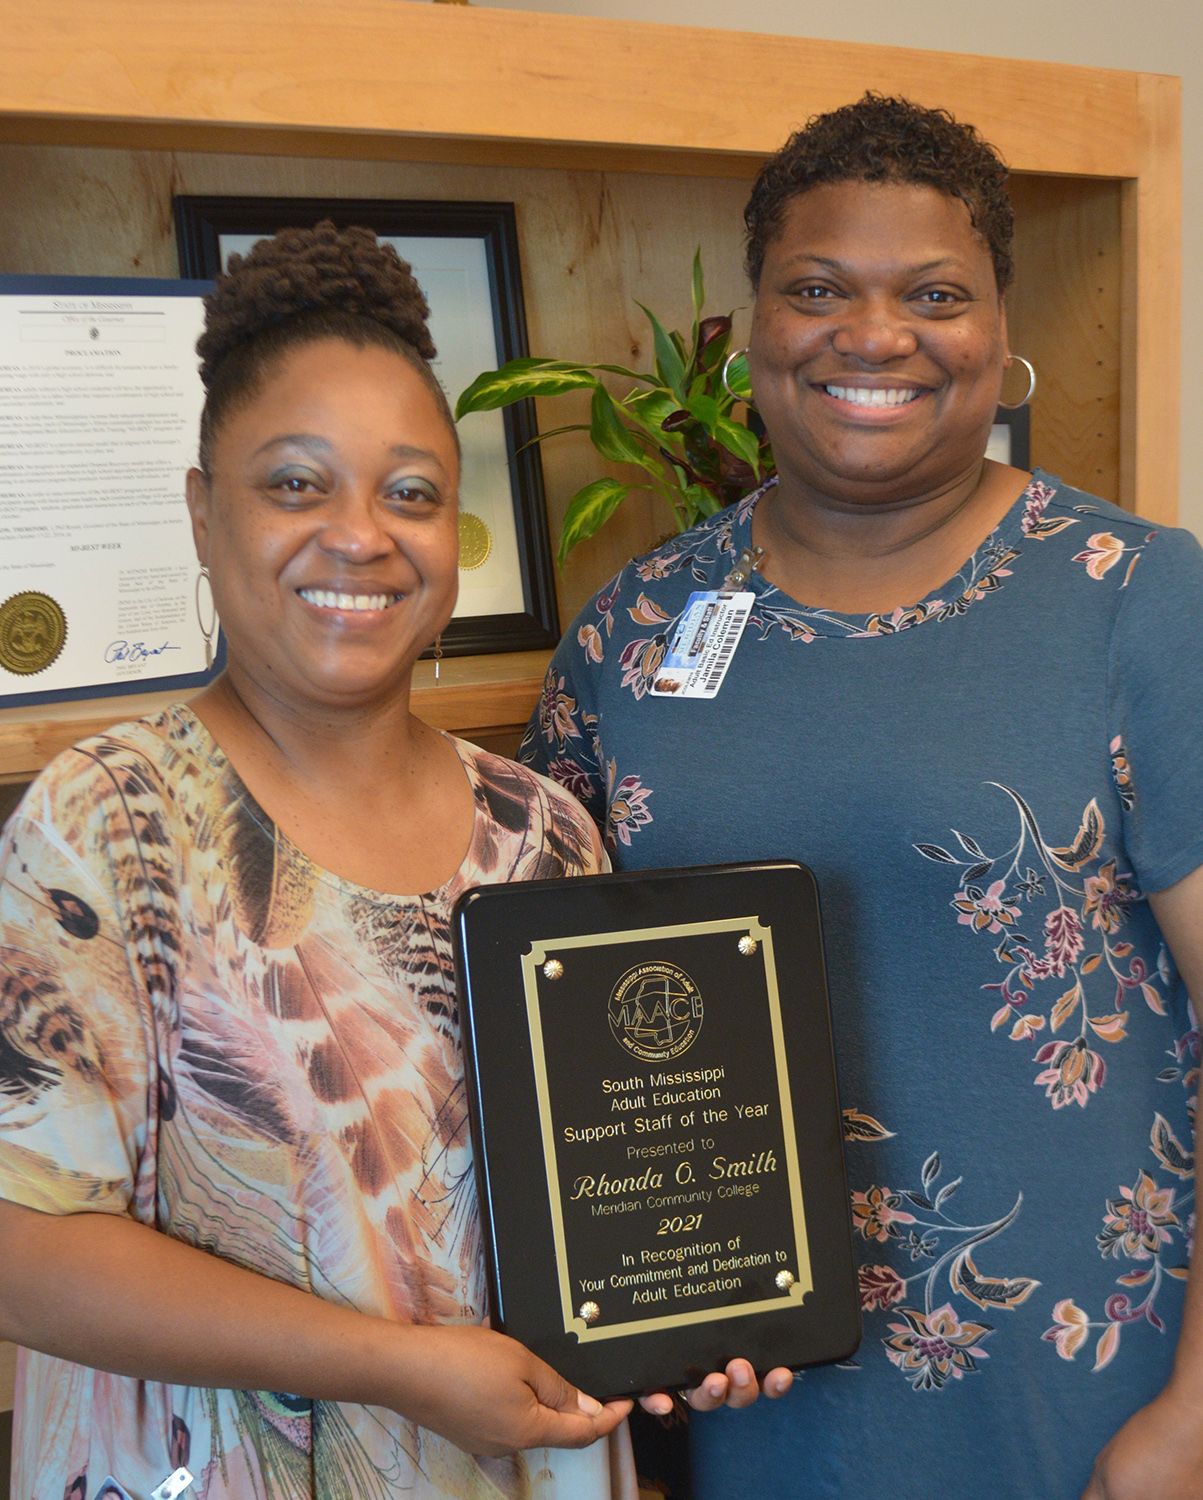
(726, 383)
(438, 654)
(207, 631)
(1031, 390)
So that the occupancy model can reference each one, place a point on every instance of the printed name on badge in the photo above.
(704, 643)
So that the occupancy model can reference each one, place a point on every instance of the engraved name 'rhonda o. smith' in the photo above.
(722, 1168)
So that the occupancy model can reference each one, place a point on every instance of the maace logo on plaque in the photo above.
(655, 1011)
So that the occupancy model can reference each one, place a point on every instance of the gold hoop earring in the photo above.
(438, 655)
(207, 631)
(744, 394)
(1031, 390)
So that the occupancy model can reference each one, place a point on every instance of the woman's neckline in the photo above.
(225, 767)
(977, 576)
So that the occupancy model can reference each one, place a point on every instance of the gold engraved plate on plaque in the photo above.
(33, 631)
(654, 1012)
(475, 541)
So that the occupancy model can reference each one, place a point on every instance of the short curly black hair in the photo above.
(885, 139)
(295, 288)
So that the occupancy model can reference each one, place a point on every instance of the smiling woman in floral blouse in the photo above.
(969, 698)
(237, 1213)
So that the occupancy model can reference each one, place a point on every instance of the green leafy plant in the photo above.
(675, 424)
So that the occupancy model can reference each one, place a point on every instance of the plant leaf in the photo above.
(737, 439)
(700, 502)
(670, 366)
(590, 508)
(643, 375)
(519, 379)
(610, 435)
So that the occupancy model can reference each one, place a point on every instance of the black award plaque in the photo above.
(655, 1121)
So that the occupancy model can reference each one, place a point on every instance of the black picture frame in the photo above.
(201, 222)
(1011, 437)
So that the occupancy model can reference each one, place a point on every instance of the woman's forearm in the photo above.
(105, 1291)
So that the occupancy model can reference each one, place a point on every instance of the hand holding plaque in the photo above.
(656, 1123)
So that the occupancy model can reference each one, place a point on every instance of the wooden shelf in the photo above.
(475, 695)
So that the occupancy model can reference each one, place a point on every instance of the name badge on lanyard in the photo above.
(707, 634)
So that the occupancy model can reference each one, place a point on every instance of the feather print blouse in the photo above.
(203, 1030)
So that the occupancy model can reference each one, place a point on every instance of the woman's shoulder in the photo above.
(1107, 539)
(536, 811)
(130, 763)
(1049, 493)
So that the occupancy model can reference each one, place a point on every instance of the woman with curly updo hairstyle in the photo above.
(237, 1217)
(299, 286)
(961, 698)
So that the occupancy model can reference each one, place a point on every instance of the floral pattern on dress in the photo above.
(929, 1341)
(1079, 971)
(1148, 1226)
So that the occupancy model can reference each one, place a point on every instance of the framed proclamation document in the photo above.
(100, 401)
(656, 1125)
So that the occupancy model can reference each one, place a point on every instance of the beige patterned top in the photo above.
(202, 1029)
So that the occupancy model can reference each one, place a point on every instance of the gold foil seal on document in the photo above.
(475, 541)
(33, 631)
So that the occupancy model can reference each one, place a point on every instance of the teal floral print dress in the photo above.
(205, 1031)
(986, 784)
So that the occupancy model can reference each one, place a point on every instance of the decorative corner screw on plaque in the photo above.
(785, 1279)
(554, 969)
(748, 945)
(589, 1311)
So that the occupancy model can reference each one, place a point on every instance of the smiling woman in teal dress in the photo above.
(962, 697)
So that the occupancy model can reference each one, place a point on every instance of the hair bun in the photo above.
(306, 271)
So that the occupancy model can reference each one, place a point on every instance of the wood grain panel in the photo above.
(1152, 303)
(1064, 315)
(475, 695)
(502, 75)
